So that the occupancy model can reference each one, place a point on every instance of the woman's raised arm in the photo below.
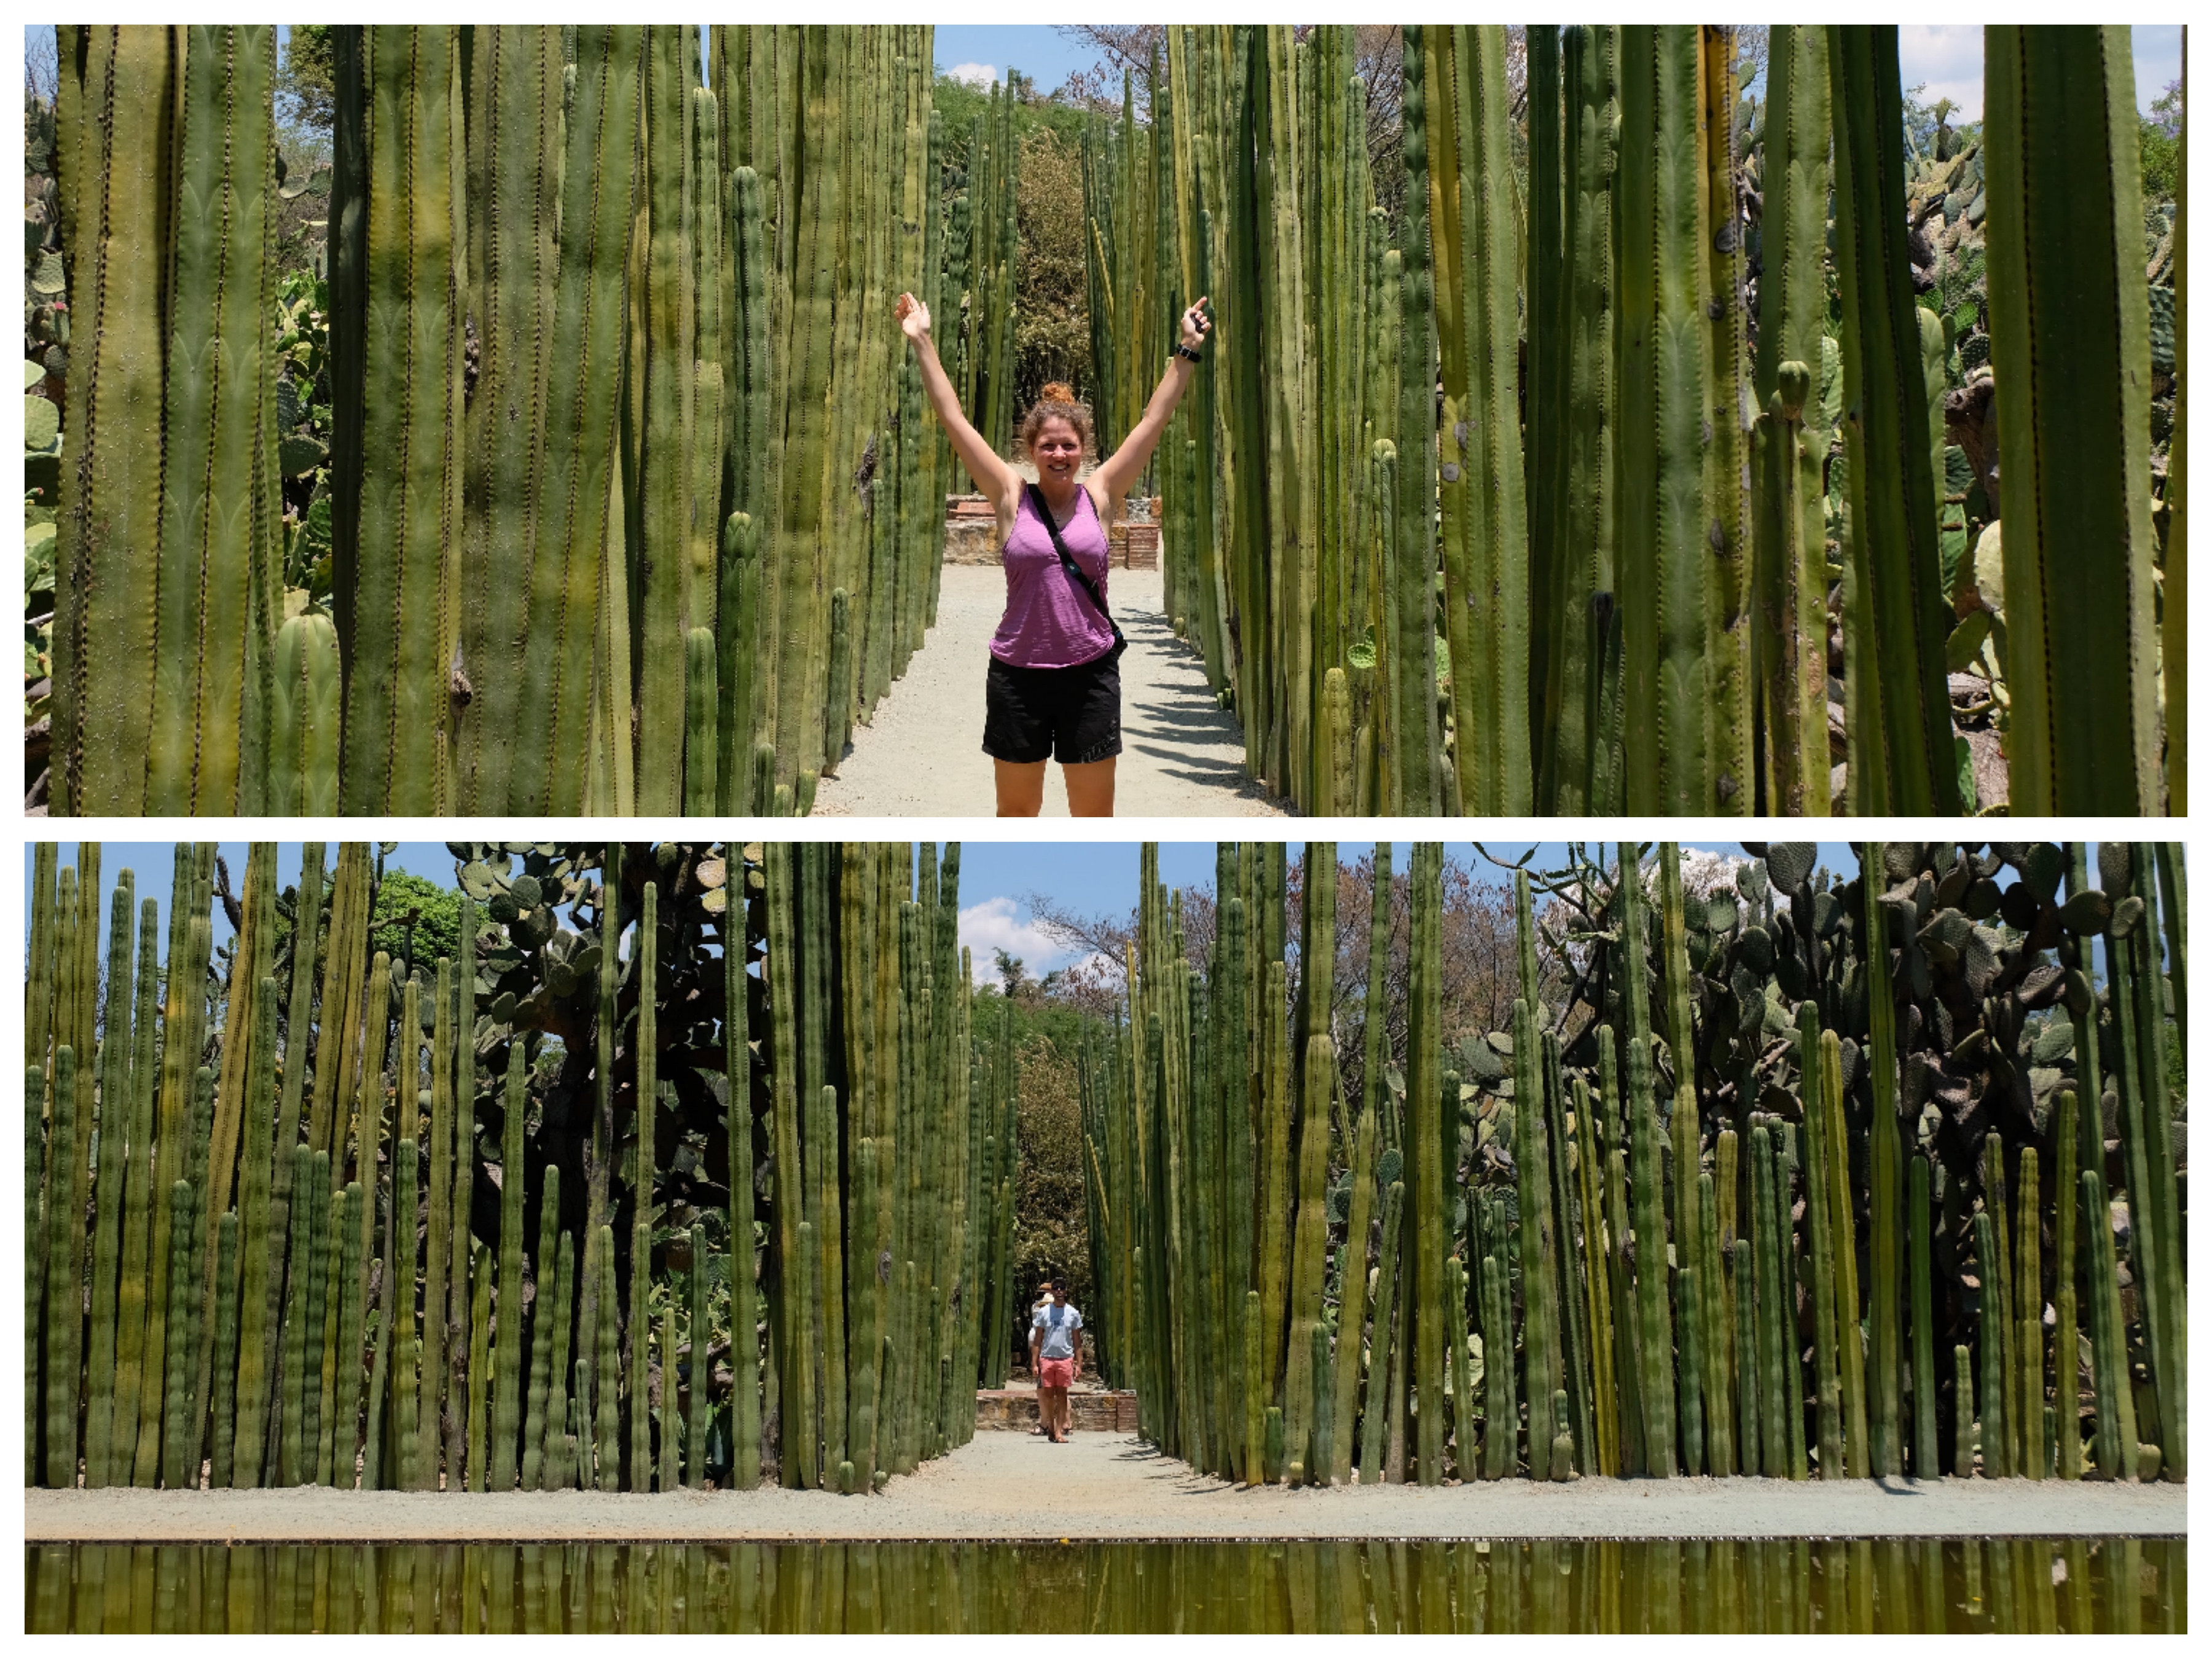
(1118, 471)
(994, 476)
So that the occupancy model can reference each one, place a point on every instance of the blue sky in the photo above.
(1042, 53)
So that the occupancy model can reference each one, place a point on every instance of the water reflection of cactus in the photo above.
(1600, 1587)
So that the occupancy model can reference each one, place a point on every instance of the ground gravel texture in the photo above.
(1107, 1487)
(922, 755)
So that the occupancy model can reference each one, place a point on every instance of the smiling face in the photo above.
(1057, 450)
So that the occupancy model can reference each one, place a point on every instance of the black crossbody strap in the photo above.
(1067, 561)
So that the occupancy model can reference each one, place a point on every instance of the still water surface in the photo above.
(1605, 1586)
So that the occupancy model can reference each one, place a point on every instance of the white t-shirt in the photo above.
(1059, 1323)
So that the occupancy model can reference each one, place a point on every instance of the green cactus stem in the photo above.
(1902, 747)
(2065, 207)
(396, 253)
(64, 1209)
(1790, 442)
(224, 1404)
(2066, 1277)
(1380, 1360)
(1926, 1460)
(544, 1367)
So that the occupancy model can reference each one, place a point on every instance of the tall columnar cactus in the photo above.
(646, 958)
(1486, 526)
(166, 557)
(1572, 503)
(506, 1407)
(541, 1426)
(660, 449)
(1789, 445)
(2065, 178)
(397, 261)
(551, 182)
(114, 1115)
(1902, 754)
(1668, 568)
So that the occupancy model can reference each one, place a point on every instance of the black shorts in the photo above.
(1072, 715)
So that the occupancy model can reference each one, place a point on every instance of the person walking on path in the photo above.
(1042, 1301)
(1056, 1352)
(1053, 689)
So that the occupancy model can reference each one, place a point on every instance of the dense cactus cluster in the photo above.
(630, 504)
(1815, 1177)
(1558, 487)
(555, 1213)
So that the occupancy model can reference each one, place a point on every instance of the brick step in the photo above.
(1101, 1411)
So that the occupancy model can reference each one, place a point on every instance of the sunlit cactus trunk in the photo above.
(1483, 484)
(398, 284)
(2069, 336)
(1790, 443)
(663, 302)
(166, 559)
(1665, 562)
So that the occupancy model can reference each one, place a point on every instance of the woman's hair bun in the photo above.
(1056, 392)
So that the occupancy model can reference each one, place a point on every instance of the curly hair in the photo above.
(1056, 401)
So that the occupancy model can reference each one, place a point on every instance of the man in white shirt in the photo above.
(1055, 1355)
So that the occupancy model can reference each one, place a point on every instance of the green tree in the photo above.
(305, 76)
(2161, 147)
(1052, 312)
(416, 919)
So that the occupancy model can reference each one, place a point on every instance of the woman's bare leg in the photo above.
(1091, 789)
(1021, 788)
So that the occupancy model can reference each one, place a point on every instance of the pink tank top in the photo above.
(1050, 622)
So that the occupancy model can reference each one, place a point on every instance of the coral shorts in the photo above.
(1055, 1373)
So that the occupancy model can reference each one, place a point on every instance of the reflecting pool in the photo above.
(1598, 1586)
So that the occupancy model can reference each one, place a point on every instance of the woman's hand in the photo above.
(912, 318)
(1196, 325)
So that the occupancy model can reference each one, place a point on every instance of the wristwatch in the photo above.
(1183, 350)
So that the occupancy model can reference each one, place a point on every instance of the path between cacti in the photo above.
(1011, 1485)
(1182, 756)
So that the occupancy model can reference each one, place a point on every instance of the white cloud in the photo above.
(976, 74)
(1947, 58)
(994, 924)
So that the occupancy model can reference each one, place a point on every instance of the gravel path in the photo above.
(1182, 756)
(1019, 1487)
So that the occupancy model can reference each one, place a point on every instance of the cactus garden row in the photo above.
(1628, 462)
(629, 501)
(1876, 1175)
(683, 1169)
